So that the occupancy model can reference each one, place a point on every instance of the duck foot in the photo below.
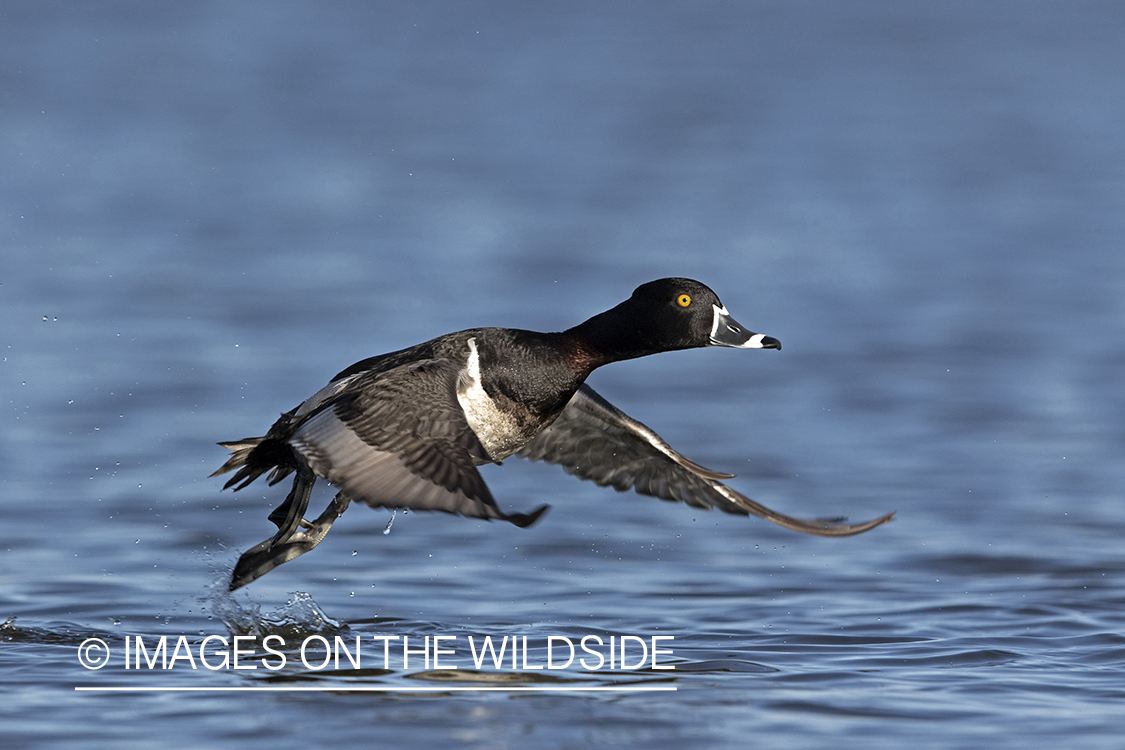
(267, 555)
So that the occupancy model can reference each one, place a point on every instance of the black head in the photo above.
(666, 315)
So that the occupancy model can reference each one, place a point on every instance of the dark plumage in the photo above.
(408, 429)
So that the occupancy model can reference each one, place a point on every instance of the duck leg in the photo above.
(288, 516)
(265, 556)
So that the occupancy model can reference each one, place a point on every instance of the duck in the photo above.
(408, 429)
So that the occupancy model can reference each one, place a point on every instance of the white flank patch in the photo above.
(497, 431)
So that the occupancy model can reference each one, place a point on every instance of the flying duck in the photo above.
(407, 429)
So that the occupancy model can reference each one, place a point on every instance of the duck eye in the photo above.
(683, 300)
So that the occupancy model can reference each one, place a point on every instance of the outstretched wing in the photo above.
(594, 440)
(399, 439)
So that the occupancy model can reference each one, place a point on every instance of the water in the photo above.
(209, 210)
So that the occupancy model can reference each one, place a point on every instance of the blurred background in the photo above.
(208, 209)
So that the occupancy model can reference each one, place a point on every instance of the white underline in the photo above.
(371, 689)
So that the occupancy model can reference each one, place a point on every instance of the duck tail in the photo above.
(254, 457)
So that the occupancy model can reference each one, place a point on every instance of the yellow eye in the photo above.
(683, 300)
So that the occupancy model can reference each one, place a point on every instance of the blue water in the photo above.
(210, 209)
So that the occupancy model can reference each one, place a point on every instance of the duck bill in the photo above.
(725, 331)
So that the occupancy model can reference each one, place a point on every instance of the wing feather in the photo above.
(596, 441)
(388, 449)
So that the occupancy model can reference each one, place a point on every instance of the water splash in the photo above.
(298, 617)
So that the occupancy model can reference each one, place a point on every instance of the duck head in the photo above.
(666, 315)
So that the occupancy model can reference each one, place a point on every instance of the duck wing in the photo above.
(594, 440)
(398, 438)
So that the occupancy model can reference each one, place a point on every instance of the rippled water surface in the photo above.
(210, 209)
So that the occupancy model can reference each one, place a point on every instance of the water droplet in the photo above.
(355, 552)
(387, 530)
